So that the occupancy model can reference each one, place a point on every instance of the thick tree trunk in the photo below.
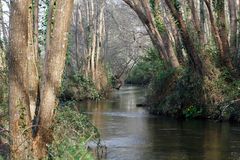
(53, 70)
(23, 76)
(19, 109)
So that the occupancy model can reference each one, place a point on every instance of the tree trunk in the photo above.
(194, 58)
(53, 70)
(19, 109)
(203, 21)
(196, 20)
(77, 27)
(33, 59)
(173, 60)
(233, 27)
(146, 18)
(221, 20)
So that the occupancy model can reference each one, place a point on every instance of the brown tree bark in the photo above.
(143, 11)
(233, 27)
(19, 109)
(220, 35)
(173, 59)
(33, 58)
(221, 21)
(53, 70)
(203, 21)
(77, 28)
(194, 58)
(196, 20)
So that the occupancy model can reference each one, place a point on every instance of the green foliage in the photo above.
(3, 90)
(161, 77)
(230, 86)
(3, 98)
(212, 52)
(170, 91)
(177, 4)
(184, 93)
(173, 91)
(72, 131)
(192, 112)
(218, 5)
(4, 135)
(159, 23)
(157, 17)
(189, 88)
(77, 87)
(152, 4)
(146, 68)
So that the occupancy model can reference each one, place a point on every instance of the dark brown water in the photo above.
(130, 133)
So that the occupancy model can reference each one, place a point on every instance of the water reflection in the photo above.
(131, 134)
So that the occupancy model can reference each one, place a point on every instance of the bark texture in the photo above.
(19, 95)
(53, 69)
(25, 100)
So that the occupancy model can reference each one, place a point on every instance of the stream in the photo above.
(130, 133)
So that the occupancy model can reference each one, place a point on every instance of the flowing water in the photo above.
(130, 133)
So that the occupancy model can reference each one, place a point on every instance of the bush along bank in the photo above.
(72, 132)
(181, 93)
(79, 88)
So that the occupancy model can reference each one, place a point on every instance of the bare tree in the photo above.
(143, 11)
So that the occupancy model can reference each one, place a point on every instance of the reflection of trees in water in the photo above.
(154, 138)
(216, 141)
(198, 140)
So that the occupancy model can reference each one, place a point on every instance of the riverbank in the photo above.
(185, 93)
(71, 133)
(222, 112)
(130, 132)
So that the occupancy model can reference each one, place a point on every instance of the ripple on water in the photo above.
(142, 114)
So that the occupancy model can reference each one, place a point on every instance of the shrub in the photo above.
(173, 91)
(192, 112)
(72, 131)
(77, 87)
(147, 67)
